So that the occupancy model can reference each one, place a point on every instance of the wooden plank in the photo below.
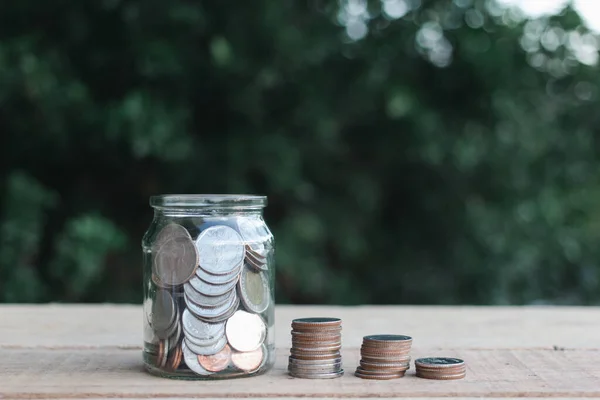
(120, 326)
(118, 373)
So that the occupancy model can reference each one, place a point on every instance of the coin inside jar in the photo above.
(254, 290)
(245, 331)
(248, 361)
(220, 249)
(216, 362)
(175, 257)
(163, 313)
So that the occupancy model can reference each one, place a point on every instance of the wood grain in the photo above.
(81, 351)
(90, 326)
(71, 373)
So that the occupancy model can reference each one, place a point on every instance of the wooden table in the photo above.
(94, 351)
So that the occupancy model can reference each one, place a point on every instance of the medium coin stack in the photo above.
(210, 292)
(384, 357)
(315, 352)
(441, 368)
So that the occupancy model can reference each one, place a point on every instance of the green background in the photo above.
(448, 156)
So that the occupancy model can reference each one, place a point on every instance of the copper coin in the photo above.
(216, 362)
(388, 367)
(442, 377)
(318, 349)
(441, 372)
(174, 359)
(386, 348)
(381, 348)
(387, 339)
(377, 372)
(302, 343)
(323, 357)
(383, 352)
(313, 353)
(378, 377)
(316, 329)
(317, 338)
(161, 356)
(248, 361)
(384, 359)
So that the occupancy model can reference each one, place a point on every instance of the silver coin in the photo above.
(253, 288)
(227, 314)
(388, 339)
(256, 263)
(149, 334)
(162, 313)
(259, 255)
(255, 266)
(165, 353)
(176, 257)
(200, 330)
(245, 331)
(206, 350)
(203, 343)
(439, 362)
(205, 312)
(250, 231)
(297, 361)
(204, 300)
(328, 365)
(173, 328)
(175, 336)
(218, 279)
(315, 370)
(221, 249)
(207, 340)
(317, 376)
(191, 361)
(209, 289)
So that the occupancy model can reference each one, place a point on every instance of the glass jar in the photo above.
(208, 287)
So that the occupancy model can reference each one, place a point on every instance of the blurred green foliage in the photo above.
(412, 152)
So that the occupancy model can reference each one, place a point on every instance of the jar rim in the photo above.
(234, 201)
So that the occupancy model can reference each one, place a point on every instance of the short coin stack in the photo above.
(315, 352)
(441, 368)
(384, 356)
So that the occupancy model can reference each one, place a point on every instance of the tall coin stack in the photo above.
(384, 357)
(441, 368)
(315, 352)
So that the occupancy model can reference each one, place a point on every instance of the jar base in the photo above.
(183, 373)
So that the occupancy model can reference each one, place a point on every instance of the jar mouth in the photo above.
(221, 201)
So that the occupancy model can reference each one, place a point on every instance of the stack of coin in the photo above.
(256, 252)
(384, 357)
(165, 323)
(220, 295)
(441, 368)
(315, 352)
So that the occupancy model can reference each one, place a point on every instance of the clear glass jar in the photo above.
(208, 287)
